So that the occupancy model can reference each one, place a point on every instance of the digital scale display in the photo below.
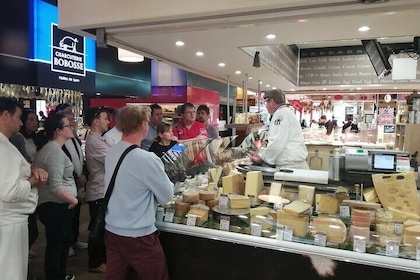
(384, 162)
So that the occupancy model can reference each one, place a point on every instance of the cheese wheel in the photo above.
(411, 237)
(212, 203)
(181, 208)
(361, 218)
(334, 228)
(207, 195)
(190, 196)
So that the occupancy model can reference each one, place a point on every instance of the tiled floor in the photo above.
(77, 264)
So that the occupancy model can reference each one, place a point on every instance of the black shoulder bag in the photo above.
(97, 231)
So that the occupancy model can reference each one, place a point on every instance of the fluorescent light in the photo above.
(179, 43)
(127, 56)
(199, 53)
(238, 72)
(270, 36)
(267, 85)
(250, 78)
(221, 64)
(364, 28)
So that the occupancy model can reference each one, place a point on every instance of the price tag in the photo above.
(344, 211)
(359, 244)
(223, 200)
(253, 199)
(159, 214)
(288, 233)
(278, 206)
(398, 228)
(392, 248)
(321, 238)
(280, 232)
(169, 215)
(256, 228)
(191, 219)
(418, 252)
(224, 223)
(372, 215)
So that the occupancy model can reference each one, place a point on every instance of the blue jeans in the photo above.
(57, 220)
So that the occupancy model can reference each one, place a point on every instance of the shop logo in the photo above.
(68, 52)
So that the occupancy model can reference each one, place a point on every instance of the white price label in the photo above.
(344, 211)
(359, 244)
(224, 223)
(256, 228)
(191, 219)
(159, 214)
(392, 248)
(288, 233)
(280, 232)
(278, 206)
(321, 238)
(223, 200)
(398, 228)
(253, 199)
(169, 215)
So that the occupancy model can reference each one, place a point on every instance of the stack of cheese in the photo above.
(411, 234)
(385, 226)
(295, 215)
(199, 202)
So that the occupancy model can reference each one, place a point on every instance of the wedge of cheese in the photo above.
(326, 204)
(237, 201)
(297, 208)
(334, 228)
(254, 183)
(398, 192)
(299, 224)
(200, 211)
(262, 211)
(233, 183)
(411, 237)
(275, 188)
(306, 193)
(370, 195)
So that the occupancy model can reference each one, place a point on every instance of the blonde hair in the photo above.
(133, 116)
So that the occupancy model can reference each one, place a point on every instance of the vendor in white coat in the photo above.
(18, 195)
(286, 147)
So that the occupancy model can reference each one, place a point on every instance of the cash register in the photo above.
(360, 164)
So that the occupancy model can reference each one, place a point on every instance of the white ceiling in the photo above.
(219, 28)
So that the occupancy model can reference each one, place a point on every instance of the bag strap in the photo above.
(114, 175)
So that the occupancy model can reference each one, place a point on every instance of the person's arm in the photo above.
(161, 186)
(278, 136)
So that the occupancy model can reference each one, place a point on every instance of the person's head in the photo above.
(116, 115)
(41, 113)
(10, 113)
(135, 119)
(323, 119)
(63, 108)
(188, 113)
(203, 114)
(70, 116)
(156, 116)
(30, 123)
(58, 126)
(97, 119)
(274, 98)
(164, 132)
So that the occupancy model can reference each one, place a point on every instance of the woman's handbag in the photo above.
(97, 230)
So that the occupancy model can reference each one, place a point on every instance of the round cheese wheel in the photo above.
(334, 228)
(207, 195)
(190, 196)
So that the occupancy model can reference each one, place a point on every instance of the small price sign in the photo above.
(169, 215)
(224, 223)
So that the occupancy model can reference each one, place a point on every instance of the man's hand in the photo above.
(81, 181)
(38, 175)
(255, 157)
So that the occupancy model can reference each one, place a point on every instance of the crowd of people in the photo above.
(46, 172)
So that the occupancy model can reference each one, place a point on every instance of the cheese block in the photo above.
(411, 237)
(326, 204)
(190, 196)
(398, 192)
(410, 223)
(384, 238)
(254, 183)
(361, 218)
(181, 208)
(262, 211)
(239, 201)
(200, 211)
(370, 195)
(359, 231)
(334, 228)
(275, 189)
(299, 224)
(297, 208)
(384, 215)
(233, 184)
(306, 194)
(385, 228)
(266, 221)
(207, 195)
(212, 203)
(341, 194)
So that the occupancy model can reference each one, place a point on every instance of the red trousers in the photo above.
(143, 254)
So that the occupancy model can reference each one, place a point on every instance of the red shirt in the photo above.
(184, 133)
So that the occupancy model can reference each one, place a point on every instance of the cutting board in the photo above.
(398, 192)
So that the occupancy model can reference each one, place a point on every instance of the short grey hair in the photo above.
(277, 95)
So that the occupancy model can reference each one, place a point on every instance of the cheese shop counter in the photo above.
(194, 252)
